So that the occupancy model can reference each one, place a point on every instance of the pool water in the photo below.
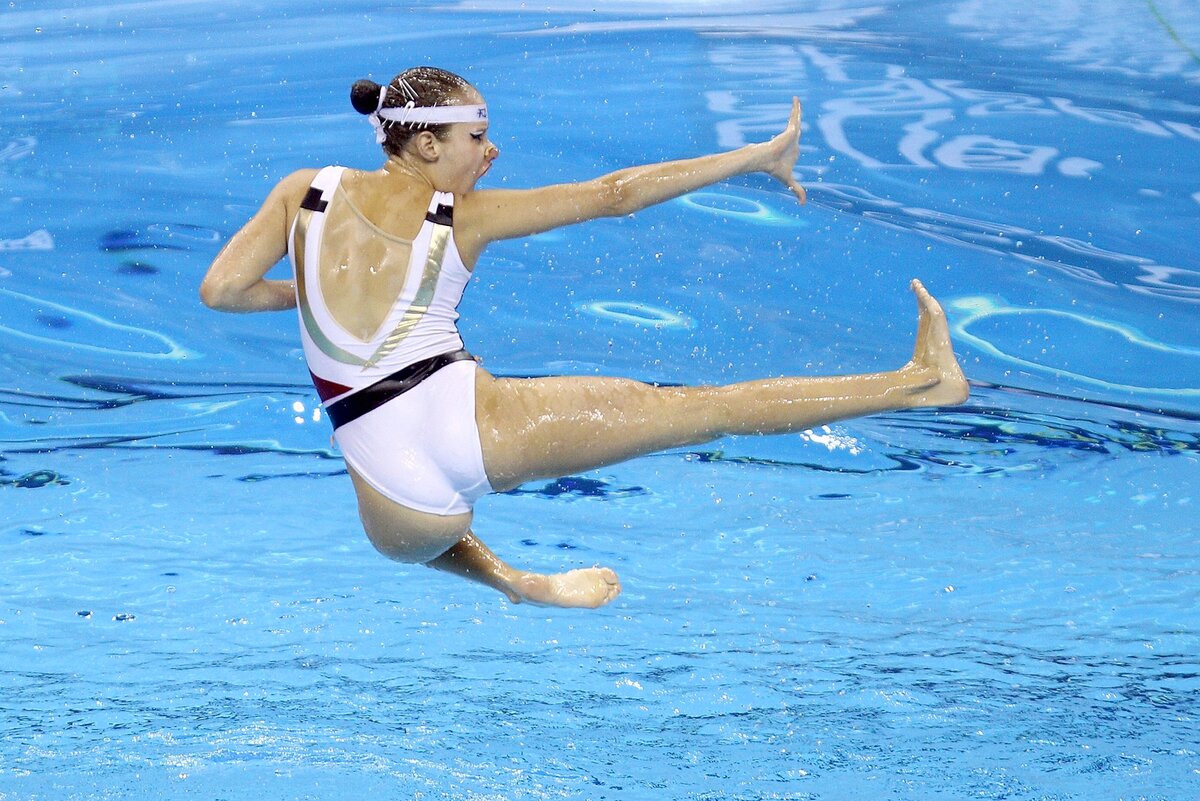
(995, 601)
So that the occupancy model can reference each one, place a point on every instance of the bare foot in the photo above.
(940, 380)
(586, 588)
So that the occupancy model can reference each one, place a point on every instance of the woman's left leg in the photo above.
(550, 427)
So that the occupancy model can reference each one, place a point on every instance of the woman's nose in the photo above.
(492, 152)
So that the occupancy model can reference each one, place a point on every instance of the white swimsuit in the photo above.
(420, 448)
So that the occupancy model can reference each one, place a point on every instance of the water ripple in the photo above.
(990, 435)
(1075, 258)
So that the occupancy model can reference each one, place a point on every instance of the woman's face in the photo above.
(468, 151)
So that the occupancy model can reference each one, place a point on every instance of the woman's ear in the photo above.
(426, 145)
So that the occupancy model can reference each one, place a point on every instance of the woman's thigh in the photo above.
(550, 427)
(404, 534)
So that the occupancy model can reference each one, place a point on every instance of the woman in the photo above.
(381, 260)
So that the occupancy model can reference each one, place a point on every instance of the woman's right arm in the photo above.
(235, 281)
(490, 215)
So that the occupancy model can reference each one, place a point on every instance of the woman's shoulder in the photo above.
(303, 177)
(293, 188)
(295, 183)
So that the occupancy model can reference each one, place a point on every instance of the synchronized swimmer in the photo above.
(381, 261)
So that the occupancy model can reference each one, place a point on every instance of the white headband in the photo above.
(412, 114)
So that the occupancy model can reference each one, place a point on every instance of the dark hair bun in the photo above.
(364, 96)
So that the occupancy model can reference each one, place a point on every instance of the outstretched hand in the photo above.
(784, 151)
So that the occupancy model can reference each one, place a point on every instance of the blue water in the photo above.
(996, 601)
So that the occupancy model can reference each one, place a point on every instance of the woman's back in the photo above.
(367, 248)
(372, 300)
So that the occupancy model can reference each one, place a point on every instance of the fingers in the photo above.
(928, 304)
(798, 191)
(921, 343)
(787, 147)
(793, 130)
(927, 301)
(931, 319)
(794, 125)
(922, 293)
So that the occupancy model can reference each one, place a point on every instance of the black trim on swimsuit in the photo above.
(312, 201)
(443, 216)
(385, 389)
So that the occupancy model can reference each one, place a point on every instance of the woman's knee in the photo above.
(697, 413)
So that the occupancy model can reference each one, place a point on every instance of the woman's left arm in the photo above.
(491, 215)
(235, 281)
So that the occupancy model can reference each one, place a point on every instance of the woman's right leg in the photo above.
(587, 587)
(546, 428)
(446, 543)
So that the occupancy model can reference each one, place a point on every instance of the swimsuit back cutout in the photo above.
(422, 321)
